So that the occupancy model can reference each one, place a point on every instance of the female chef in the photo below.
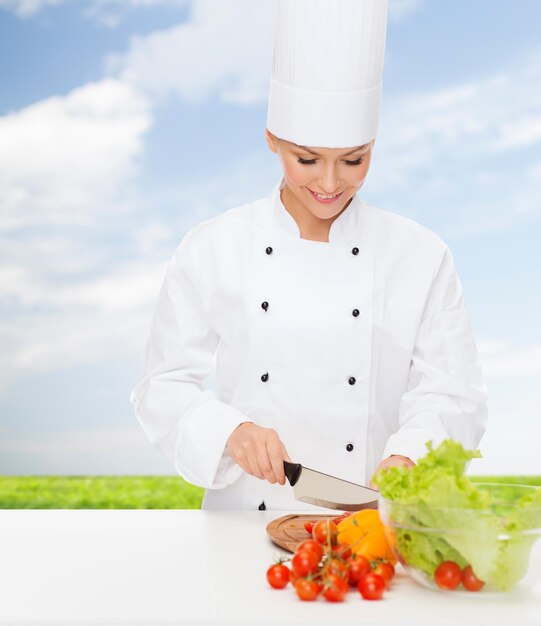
(337, 331)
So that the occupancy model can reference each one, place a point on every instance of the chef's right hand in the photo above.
(259, 451)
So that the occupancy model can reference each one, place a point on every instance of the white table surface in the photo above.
(199, 567)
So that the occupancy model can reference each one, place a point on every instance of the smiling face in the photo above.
(309, 171)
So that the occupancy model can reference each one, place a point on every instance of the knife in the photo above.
(328, 491)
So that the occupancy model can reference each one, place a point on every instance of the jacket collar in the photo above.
(344, 229)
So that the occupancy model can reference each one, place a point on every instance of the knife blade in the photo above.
(328, 491)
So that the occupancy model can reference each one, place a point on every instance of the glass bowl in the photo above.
(496, 542)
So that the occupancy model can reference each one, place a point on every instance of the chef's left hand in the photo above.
(395, 460)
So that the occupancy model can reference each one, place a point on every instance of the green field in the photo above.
(98, 492)
(124, 492)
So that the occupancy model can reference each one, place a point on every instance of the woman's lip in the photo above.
(326, 200)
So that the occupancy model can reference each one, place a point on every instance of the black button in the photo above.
(262, 506)
(268, 250)
(349, 447)
(352, 381)
(265, 377)
(355, 312)
(264, 306)
(355, 251)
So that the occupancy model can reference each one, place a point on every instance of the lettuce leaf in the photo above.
(443, 515)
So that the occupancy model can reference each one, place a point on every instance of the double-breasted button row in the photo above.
(265, 307)
(265, 377)
(349, 447)
(354, 250)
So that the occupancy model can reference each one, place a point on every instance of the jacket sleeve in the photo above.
(446, 396)
(180, 417)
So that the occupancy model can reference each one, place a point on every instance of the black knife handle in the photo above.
(293, 472)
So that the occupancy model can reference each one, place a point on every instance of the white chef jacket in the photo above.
(352, 349)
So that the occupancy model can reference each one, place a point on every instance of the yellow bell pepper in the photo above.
(363, 531)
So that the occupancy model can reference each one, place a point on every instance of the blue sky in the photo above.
(125, 122)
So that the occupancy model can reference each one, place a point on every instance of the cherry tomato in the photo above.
(342, 550)
(308, 527)
(337, 567)
(304, 562)
(311, 546)
(385, 570)
(306, 589)
(278, 575)
(448, 575)
(325, 530)
(371, 587)
(335, 588)
(293, 578)
(470, 580)
(338, 519)
(358, 566)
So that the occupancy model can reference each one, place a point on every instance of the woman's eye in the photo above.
(312, 161)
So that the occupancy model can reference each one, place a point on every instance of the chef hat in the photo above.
(325, 87)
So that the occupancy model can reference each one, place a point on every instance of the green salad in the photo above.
(438, 514)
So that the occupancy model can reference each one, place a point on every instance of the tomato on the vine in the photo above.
(308, 526)
(304, 562)
(335, 588)
(358, 566)
(371, 587)
(470, 580)
(312, 546)
(293, 578)
(385, 570)
(327, 548)
(278, 575)
(307, 589)
(325, 530)
(342, 550)
(448, 575)
(337, 567)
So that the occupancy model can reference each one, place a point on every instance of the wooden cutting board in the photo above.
(288, 531)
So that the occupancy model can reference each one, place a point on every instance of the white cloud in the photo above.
(225, 49)
(457, 155)
(63, 158)
(511, 442)
(399, 9)
(509, 447)
(118, 451)
(124, 288)
(534, 172)
(72, 310)
(500, 360)
(111, 13)
(29, 8)
(493, 113)
(88, 321)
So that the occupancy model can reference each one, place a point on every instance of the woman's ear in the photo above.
(272, 140)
